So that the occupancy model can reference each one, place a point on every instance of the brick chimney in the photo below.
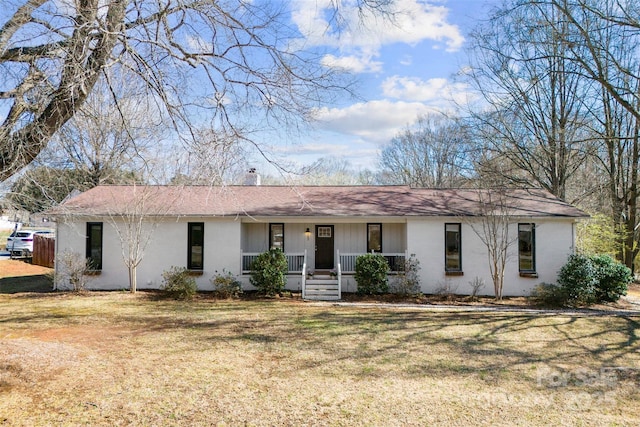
(252, 178)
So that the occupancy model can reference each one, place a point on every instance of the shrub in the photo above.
(407, 282)
(371, 274)
(578, 280)
(446, 289)
(613, 278)
(226, 285)
(268, 272)
(178, 284)
(72, 271)
(476, 285)
(548, 295)
(592, 279)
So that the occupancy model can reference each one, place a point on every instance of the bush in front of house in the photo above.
(226, 285)
(577, 280)
(613, 278)
(371, 274)
(585, 280)
(407, 282)
(72, 271)
(548, 295)
(476, 284)
(268, 272)
(178, 284)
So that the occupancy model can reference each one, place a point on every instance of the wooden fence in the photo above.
(44, 251)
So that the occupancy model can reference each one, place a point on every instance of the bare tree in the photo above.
(217, 158)
(537, 120)
(136, 221)
(435, 152)
(589, 44)
(42, 187)
(110, 135)
(106, 142)
(492, 224)
(194, 57)
(327, 170)
(601, 38)
(619, 160)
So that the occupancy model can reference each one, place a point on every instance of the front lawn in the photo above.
(111, 358)
(21, 276)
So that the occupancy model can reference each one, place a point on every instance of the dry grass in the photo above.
(3, 238)
(634, 291)
(21, 268)
(21, 276)
(121, 359)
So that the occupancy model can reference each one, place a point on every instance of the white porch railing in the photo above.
(339, 271)
(304, 274)
(345, 264)
(348, 261)
(295, 261)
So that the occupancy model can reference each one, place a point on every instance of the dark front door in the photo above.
(324, 247)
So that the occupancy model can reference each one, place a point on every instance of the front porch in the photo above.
(321, 256)
(324, 284)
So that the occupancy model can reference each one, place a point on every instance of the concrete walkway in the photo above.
(486, 309)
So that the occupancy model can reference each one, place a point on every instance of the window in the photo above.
(526, 248)
(324, 231)
(94, 245)
(452, 252)
(276, 236)
(195, 257)
(374, 238)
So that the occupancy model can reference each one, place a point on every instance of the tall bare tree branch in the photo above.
(186, 52)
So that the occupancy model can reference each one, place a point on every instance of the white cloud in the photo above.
(352, 63)
(319, 149)
(412, 21)
(375, 121)
(360, 154)
(406, 60)
(199, 44)
(437, 91)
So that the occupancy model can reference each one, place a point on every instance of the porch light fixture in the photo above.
(307, 233)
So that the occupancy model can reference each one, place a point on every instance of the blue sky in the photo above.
(403, 70)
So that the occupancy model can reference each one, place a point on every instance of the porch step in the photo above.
(322, 289)
(323, 277)
(323, 282)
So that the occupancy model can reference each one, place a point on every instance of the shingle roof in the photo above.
(325, 201)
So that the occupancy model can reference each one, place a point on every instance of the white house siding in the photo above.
(225, 239)
(167, 248)
(255, 236)
(71, 237)
(394, 237)
(554, 240)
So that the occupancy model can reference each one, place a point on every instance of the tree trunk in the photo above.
(132, 279)
(630, 241)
